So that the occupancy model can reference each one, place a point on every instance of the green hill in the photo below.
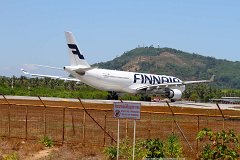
(174, 62)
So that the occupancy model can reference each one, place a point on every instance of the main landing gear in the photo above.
(146, 98)
(112, 96)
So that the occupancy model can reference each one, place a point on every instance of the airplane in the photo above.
(116, 81)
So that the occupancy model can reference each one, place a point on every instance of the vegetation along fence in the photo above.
(98, 127)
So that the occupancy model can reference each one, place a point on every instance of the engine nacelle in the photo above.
(174, 94)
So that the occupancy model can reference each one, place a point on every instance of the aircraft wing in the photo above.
(50, 76)
(200, 81)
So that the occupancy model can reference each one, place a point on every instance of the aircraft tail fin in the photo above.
(76, 57)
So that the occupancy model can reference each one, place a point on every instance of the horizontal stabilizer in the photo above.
(43, 66)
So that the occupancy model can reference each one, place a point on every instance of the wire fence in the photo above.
(98, 127)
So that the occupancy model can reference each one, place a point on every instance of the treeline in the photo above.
(203, 92)
(47, 87)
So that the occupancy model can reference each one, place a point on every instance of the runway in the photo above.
(182, 104)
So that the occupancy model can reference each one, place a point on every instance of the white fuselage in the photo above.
(122, 81)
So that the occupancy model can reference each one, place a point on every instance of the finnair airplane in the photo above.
(119, 81)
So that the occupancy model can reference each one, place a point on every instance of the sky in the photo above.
(32, 32)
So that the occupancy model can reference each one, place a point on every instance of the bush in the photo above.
(150, 148)
(46, 141)
(155, 148)
(172, 147)
(220, 145)
(125, 150)
(110, 152)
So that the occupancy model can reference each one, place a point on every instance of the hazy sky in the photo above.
(32, 32)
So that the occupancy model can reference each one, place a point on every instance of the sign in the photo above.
(127, 110)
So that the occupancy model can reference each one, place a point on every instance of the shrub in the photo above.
(150, 148)
(46, 141)
(110, 152)
(172, 147)
(220, 145)
(155, 148)
(125, 150)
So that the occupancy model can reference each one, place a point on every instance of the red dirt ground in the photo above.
(156, 122)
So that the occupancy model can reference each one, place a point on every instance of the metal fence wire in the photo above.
(98, 127)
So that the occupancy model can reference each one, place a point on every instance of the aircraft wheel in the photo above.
(115, 97)
(109, 97)
(145, 98)
(112, 96)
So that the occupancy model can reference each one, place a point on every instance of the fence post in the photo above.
(105, 126)
(73, 125)
(45, 122)
(207, 117)
(63, 122)
(173, 118)
(198, 126)
(84, 124)
(112, 138)
(222, 115)
(149, 126)
(44, 116)
(126, 128)
(9, 115)
(26, 123)
(9, 121)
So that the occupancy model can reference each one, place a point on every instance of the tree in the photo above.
(220, 145)
(172, 147)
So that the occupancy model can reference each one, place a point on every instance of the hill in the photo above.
(177, 63)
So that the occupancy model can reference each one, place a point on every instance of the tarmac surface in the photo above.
(183, 104)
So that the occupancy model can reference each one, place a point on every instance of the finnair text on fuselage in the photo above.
(154, 79)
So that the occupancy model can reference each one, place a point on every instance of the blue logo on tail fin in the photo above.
(75, 50)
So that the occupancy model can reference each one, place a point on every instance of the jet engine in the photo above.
(173, 94)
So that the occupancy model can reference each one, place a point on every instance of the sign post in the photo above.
(118, 139)
(134, 137)
(126, 110)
